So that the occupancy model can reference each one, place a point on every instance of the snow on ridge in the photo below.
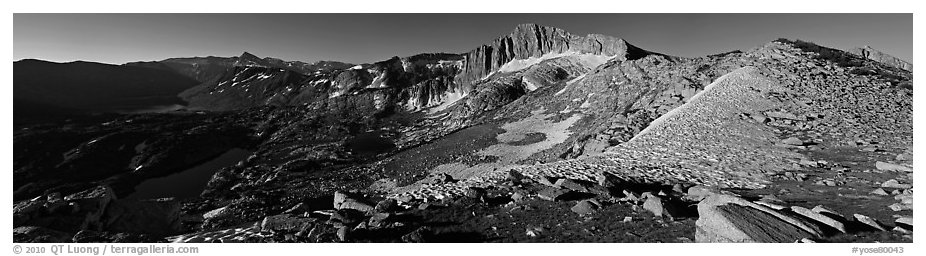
(449, 98)
(568, 83)
(530, 86)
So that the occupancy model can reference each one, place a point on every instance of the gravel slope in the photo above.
(702, 142)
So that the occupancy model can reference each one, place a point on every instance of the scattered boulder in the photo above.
(759, 117)
(608, 180)
(553, 194)
(548, 181)
(793, 141)
(698, 193)
(386, 205)
(835, 224)
(900, 207)
(892, 167)
(571, 184)
(218, 212)
(631, 196)
(535, 231)
(283, 223)
(892, 183)
(904, 222)
(379, 220)
(659, 207)
(879, 191)
(828, 212)
(586, 207)
(347, 201)
(870, 222)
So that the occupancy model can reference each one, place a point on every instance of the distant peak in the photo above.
(248, 59)
(248, 55)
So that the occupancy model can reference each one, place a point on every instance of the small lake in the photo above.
(190, 182)
(370, 143)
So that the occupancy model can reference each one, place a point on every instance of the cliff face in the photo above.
(534, 41)
(883, 58)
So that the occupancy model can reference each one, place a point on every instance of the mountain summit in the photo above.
(534, 41)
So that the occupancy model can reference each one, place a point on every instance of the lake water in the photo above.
(190, 182)
(370, 143)
(151, 109)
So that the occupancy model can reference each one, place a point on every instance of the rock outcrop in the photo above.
(884, 58)
(159, 217)
(725, 218)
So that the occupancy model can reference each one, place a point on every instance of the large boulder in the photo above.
(351, 201)
(284, 223)
(660, 207)
(726, 218)
(892, 167)
(152, 216)
(90, 206)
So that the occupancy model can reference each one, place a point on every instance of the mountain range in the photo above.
(538, 135)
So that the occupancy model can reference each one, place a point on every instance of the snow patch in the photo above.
(530, 86)
(587, 102)
(356, 67)
(448, 99)
(569, 83)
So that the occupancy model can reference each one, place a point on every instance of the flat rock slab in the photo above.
(729, 219)
(892, 167)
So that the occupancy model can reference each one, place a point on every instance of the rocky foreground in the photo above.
(552, 140)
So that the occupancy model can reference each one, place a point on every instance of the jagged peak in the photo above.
(248, 55)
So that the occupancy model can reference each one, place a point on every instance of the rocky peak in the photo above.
(533, 40)
(248, 59)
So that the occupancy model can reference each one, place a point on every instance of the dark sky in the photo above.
(362, 38)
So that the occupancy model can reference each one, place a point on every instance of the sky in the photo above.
(365, 38)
